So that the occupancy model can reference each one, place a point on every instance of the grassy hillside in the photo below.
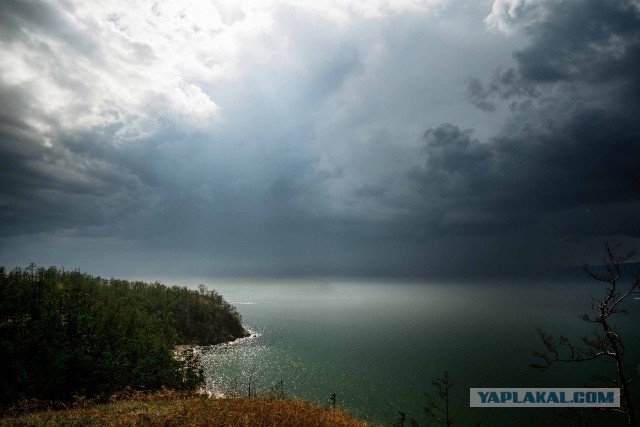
(193, 411)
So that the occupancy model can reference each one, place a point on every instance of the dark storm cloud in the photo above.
(59, 180)
(46, 188)
(577, 45)
(591, 40)
(590, 161)
(319, 163)
(52, 178)
(504, 85)
(573, 151)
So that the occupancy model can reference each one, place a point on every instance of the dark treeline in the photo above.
(67, 333)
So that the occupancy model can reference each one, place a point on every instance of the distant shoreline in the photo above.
(249, 334)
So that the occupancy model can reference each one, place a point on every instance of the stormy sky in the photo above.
(318, 138)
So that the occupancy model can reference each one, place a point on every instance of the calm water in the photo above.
(378, 345)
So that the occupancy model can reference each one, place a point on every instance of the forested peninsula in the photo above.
(65, 334)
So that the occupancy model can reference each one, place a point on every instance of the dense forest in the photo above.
(67, 333)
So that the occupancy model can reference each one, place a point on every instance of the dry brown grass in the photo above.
(193, 411)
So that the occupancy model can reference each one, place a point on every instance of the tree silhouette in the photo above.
(402, 417)
(605, 343)
(332, 399)
(438, 410)
(251, 381)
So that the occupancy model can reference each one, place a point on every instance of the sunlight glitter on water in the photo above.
(231, 369)
(379, 346)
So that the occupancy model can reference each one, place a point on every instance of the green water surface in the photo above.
(378, 344)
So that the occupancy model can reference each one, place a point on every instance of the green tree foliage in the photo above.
(66, 333)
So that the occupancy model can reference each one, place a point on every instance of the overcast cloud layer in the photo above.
(334, 137)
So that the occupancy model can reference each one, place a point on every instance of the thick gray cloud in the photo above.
(589, 43)
(573, 142)
(566, 163)
(504, 85)
(285, 139)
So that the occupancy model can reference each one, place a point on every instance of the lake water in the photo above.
(378, 345)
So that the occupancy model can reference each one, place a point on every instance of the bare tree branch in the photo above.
(606, 345)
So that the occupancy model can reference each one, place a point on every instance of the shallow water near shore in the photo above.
(378, 345)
